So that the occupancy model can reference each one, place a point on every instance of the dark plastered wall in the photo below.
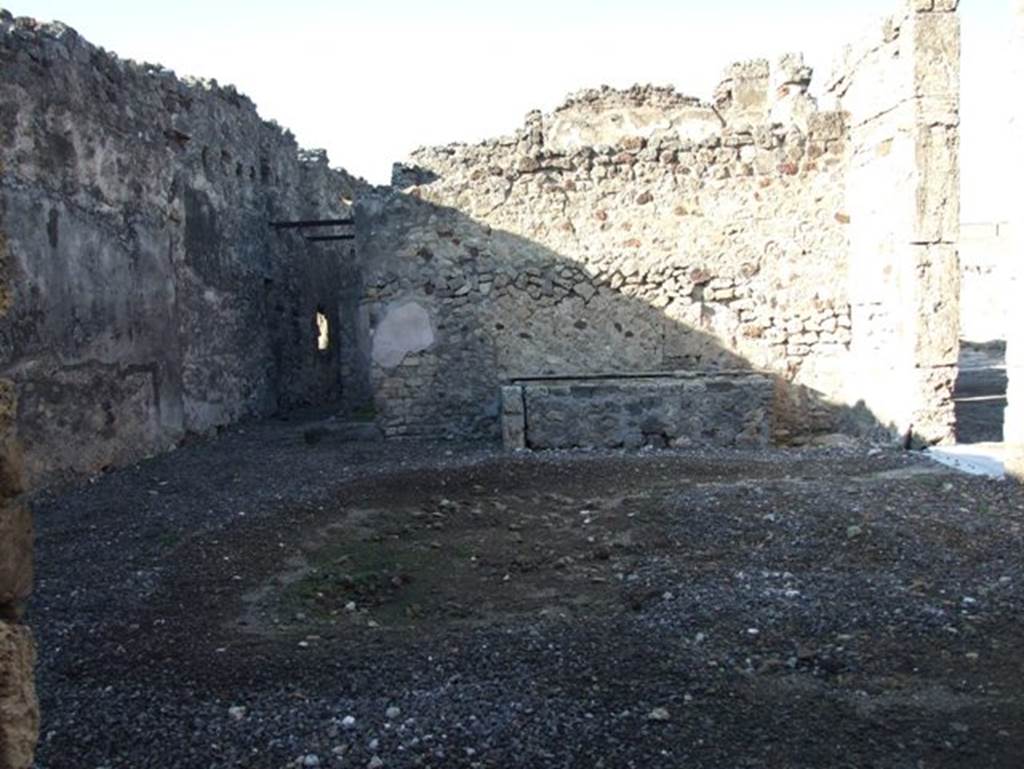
(150, 298)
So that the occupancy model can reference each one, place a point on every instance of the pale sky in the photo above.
(371, 80)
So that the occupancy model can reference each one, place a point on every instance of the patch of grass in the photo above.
(385, 577)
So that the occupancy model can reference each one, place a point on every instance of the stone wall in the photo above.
(149, 297)
(900, 88)
(688, 409)
(643, 230)
(19, 714)
(986, 255)
(627, 231)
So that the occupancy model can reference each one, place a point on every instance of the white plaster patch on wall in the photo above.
(404, 329)
(570, 130)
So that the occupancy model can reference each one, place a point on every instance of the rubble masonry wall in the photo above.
(627, 231)
(643, 230)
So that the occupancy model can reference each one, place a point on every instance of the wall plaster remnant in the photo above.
(404, 330)
(19, 710)
(148, 296)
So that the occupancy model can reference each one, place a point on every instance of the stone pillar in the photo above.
(901, 89)
(791, 104)
(513, 417)
(1013, 428)
(742, 96)
(19, 713)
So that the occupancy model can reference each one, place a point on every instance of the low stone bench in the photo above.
(686, 408)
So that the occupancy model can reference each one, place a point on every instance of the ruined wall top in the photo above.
(756, 92)
(926, 56)
(755, 100)
(125, 95)
(638, 95)
(607, 115)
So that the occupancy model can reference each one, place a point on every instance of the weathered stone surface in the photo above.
(19, 711)
(15, 554)
(12, 462)
(933, 417)
(937, 216)
(148, 295)
(689, 410)
(900, 86)
(936, 305)
(513, 417)
(792, 104)
(625, 231)
(743, 95)
(936, 41)
(1014, 461)
(608, 117)
(649, 254)
(404, 329)
(872, 69)
(19, 715)
(934, 5)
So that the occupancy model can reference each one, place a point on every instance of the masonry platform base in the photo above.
(720, 408)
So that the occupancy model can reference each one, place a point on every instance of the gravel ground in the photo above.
(812, 608)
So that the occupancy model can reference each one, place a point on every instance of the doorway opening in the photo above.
(323, 329)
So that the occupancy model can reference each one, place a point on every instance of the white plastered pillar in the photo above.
(1013, 430)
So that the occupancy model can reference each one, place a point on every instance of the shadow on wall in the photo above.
(150, 299)
(454, 309)
(121, 347)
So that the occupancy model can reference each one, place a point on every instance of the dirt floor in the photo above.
(279, 598)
